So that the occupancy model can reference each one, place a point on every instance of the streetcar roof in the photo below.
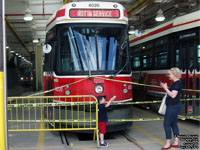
(89, 12)
(178, 24)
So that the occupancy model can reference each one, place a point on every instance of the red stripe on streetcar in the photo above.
(186, 23)
(125, 13)
(60, 13)
(169, 26)
(153, 32)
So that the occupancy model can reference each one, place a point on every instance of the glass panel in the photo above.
(147, 50)
(136, 62)
(198, 55)
(92, 47)
(161, 52)
(177, 58)
(147, 60)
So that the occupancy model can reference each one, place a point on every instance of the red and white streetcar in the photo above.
(173, 44)
(90, 39)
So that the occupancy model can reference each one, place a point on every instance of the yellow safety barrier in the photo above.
(151, 119)
(139, 84)
(150, 102)
(134, 83)
(53, 113)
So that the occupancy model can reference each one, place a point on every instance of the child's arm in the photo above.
(108, 104)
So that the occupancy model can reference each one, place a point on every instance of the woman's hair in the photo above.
(176, 72)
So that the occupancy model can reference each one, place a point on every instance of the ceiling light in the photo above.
(7, 47)
(131, 32)
(35, 41)
(160, 16)
(28, 16)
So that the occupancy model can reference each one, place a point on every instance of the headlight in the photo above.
(98, 89)
(125, 91)
(31, 78)
(22, 78)
(67, 92)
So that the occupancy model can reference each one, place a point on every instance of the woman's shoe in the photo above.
(177, 146)
(163, 148)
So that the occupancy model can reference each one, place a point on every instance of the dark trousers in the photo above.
(170, 121)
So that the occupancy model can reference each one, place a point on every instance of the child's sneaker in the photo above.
(105, 144)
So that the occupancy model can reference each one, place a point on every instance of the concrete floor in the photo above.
(148, 134)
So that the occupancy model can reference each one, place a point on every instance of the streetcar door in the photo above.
(187, 48)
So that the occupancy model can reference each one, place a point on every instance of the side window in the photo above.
(160, 52)
(136, 53)
(147, 59)
(147, 55)
(136, 62)
(177, 58)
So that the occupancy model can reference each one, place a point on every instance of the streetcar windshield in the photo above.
(100, 48)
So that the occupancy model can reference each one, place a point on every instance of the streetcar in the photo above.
(173, 44)
(25, 76)
(90, 39)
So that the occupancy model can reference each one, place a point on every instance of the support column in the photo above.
(3, 118)
(39, 68)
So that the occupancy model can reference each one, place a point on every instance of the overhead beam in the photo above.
(16, 35)
(66, 1)
(138, 5)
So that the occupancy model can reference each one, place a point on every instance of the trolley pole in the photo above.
(3, 119)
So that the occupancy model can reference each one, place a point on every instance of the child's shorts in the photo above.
(102, 127)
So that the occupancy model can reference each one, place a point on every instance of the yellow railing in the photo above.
(53, 113)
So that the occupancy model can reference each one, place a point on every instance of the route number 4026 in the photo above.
(93, 5)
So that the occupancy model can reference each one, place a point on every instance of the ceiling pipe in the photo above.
(16, 35)
(43, 6)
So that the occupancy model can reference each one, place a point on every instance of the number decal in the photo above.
(94, 5)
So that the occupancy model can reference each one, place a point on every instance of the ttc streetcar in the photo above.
(90, 39)
(173, 44)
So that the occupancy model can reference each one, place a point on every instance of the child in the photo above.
(103, 118)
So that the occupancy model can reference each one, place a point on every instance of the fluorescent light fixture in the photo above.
(35, 41)
(160, 16)
(28, 16)
(131, 32)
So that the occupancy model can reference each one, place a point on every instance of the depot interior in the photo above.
(26, 22)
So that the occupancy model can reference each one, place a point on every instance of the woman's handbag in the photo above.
(163, 106)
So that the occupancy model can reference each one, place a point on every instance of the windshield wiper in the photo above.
(112, 76)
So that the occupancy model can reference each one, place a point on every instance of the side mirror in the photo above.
(47, 48)
(138, 33)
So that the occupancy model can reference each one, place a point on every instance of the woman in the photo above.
(173, 106)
